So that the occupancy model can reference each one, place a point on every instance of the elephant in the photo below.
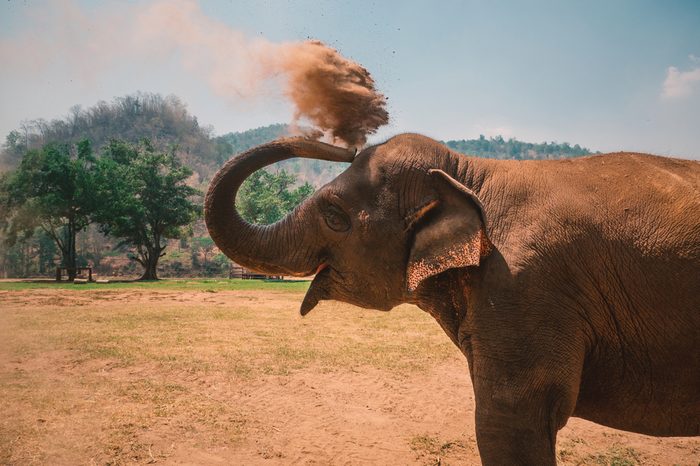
(571, 286)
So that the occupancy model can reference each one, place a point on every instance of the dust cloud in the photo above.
(333, 94)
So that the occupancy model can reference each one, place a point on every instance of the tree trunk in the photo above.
(69, 259)
(150, 271)
(25, 258)
(150, 264)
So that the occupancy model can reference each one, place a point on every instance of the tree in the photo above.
(14, 148)
(52, 190)
(206, 246)
(266, 197)
(145, 200)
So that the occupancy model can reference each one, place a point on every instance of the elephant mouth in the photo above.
(330, 283)
(308, 272)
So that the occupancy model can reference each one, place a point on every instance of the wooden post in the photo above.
(58, 274)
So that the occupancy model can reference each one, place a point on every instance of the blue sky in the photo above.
(609, 75)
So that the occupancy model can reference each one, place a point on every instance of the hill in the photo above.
(169, 125)
(315, 172)
(318, 172)
(164, 120)
(244, 140)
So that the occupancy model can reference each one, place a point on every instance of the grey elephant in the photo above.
(571, 286)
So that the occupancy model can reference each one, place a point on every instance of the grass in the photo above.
(431, 450)
(192, 284)
(616, 456)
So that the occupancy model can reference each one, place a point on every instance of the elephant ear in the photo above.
(450, 231)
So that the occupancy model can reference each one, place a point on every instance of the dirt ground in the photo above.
(237, 377)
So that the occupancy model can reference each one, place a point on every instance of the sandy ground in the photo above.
(131, 377)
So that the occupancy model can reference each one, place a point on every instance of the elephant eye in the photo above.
(336, 219)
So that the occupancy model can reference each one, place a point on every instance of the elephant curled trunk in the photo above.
(285, 247)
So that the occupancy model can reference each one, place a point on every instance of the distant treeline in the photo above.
(168, 128)
(499, 148)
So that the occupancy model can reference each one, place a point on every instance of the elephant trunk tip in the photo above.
(308, 304)
(318, 290)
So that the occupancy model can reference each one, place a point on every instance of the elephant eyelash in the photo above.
(418, 213)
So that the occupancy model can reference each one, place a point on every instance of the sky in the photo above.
(608, 75)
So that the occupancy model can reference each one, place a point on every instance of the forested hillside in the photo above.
(166, 126)
(315, 172)
(318, 172)
(242, 141)
(164, 121)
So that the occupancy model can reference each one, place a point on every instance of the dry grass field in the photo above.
(221, 374)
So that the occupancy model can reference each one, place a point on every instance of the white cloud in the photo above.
(679, 84)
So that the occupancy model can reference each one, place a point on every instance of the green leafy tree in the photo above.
(53, 190)
(267, 197)
(204, 245)
(46, 251)
(145, 200)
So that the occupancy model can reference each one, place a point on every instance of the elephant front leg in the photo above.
(518, 425)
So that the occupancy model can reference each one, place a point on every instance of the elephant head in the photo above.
(397, 216)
